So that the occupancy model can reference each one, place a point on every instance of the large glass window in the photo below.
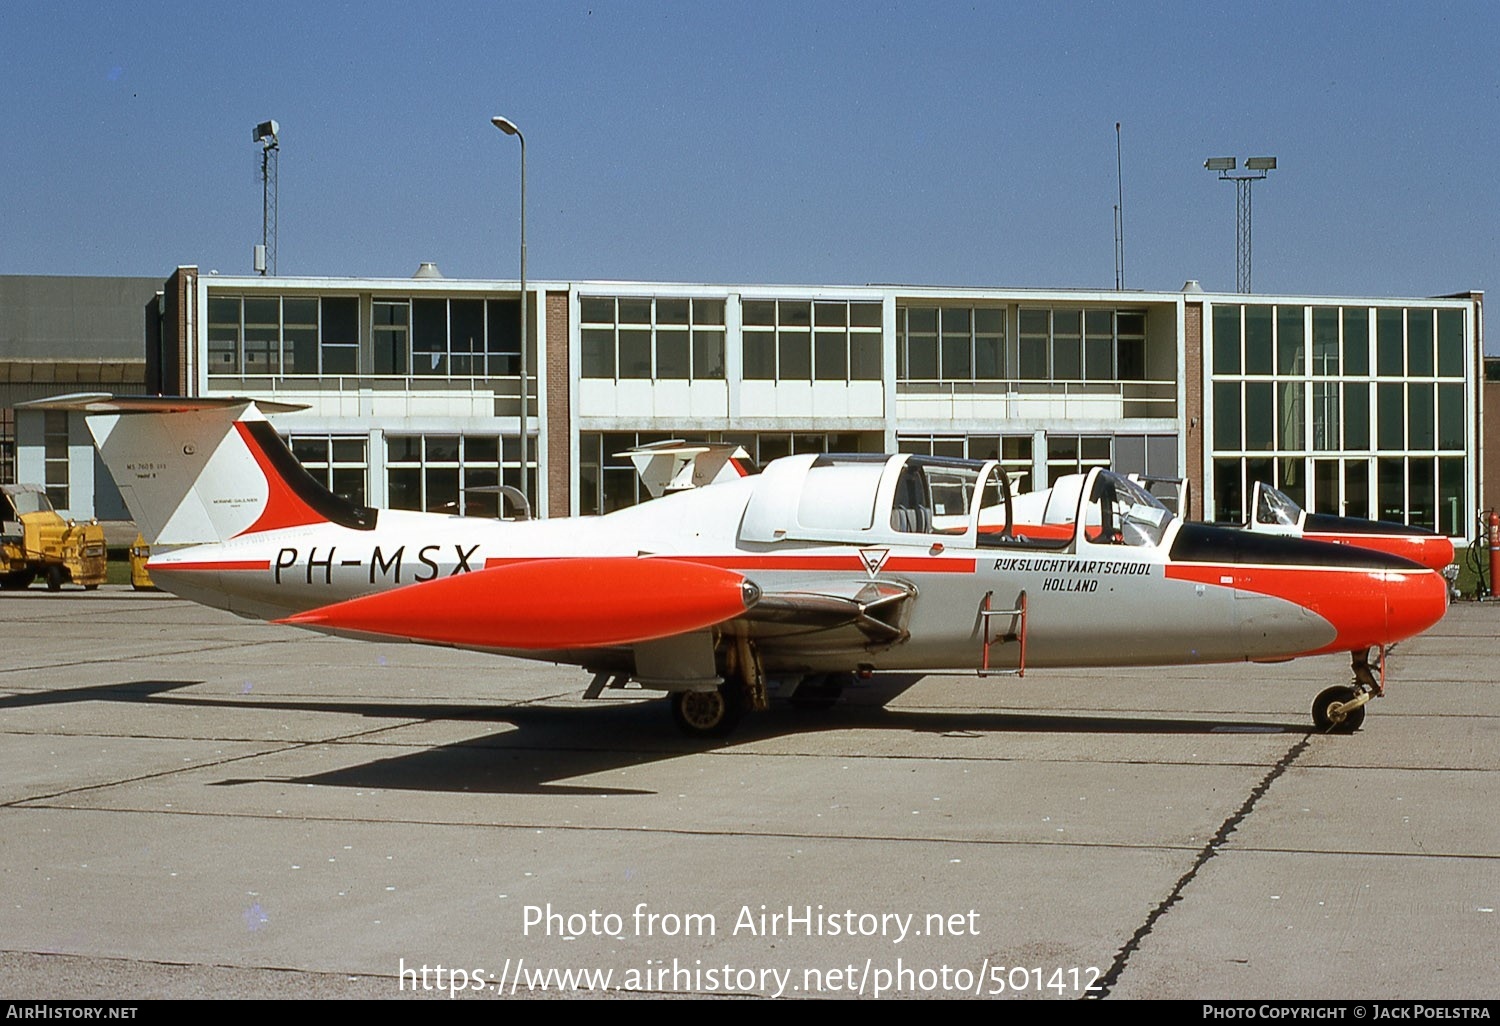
(1290, 403)
(1013, 452)
(339, 463)
(1419, 340)
(288, 335)
(1293, 395)
(1083, 345)
(262, 335)
(55, 469)
(608, 481)
(670, 339)
(1228, 422)
(1289, 340)
(457, 473)
(223, 335)
(443, 338)
(1260, 416)
(1390, 347)
(1067, 345)
(1325, 414)
(972, 346)
(7, 446)
(392, 321)
(338, 335)
(1226, 322)
(1356, 416)
(803, 340)
(429, 337)
(1356, 342)
(1258, 321)
(1076, 454)
(1450, 343)
(1325, 344)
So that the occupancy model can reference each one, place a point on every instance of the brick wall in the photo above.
(1489, 445)
(1192, 415)
(558, 465)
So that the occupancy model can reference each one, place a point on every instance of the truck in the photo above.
(35, 541)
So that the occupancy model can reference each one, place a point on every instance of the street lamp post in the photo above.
(509, 128)
(1258, 168)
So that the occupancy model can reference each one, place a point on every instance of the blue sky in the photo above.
(959, 144)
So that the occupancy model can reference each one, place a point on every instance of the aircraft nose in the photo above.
(1413, 603)
(1439, 552)
(1384, 606)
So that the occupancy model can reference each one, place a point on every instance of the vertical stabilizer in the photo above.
(188, 477)
(202, 471)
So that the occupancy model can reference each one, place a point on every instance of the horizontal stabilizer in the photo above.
(199, 471)
(104, 402)
(675, 466)
(541, 604)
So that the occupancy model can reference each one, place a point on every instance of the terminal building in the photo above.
(62, 334)
(1368, 407)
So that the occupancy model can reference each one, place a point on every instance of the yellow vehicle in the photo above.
(140, 553)
(35, 541)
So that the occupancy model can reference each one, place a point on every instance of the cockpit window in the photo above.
(934, 498)
(840, 496)
(911, 509)
(1275, 507)
(1120, 512)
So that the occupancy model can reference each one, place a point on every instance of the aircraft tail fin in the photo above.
(200, 471)
(675, 466)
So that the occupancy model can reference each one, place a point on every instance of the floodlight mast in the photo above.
(509, 128)
(267, 134)
(1258, 168)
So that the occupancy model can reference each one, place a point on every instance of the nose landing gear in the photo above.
(1341, 709)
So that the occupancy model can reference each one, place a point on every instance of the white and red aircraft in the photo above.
(1278, 513)
(815, 570)
(1048, 513)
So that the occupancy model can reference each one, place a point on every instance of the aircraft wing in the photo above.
(880, 609)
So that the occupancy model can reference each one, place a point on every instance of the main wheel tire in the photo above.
(55, 577)
(17, 580)
(709, 713)
(1323, 715)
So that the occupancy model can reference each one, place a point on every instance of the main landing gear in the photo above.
(709, 713)
(715, 713)
(1341, 709)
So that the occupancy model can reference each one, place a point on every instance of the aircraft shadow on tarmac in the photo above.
(545, 744)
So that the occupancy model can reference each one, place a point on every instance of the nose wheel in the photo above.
(1340, 709)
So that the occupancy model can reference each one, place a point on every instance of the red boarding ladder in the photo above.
(1018, 620)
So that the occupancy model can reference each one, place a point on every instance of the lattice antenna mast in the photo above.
(266, 133)
(1119, 213)
(1257, 167)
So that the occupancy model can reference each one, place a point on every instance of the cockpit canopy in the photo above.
(966, 503)
(1275, 508)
